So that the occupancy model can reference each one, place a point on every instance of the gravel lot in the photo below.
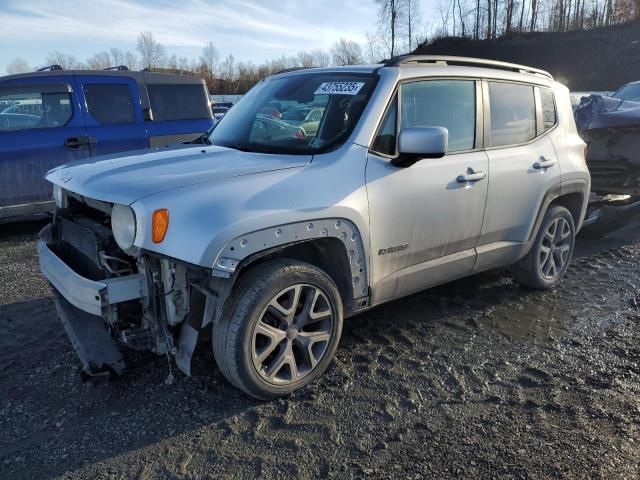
(476, 379)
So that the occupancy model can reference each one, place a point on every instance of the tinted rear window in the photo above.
(178, 102)
(110, 104)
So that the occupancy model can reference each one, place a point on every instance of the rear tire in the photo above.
(547, 261)
(279, 330)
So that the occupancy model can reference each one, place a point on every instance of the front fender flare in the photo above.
(268, 239)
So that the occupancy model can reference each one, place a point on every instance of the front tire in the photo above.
(279, 330)
(547, 261)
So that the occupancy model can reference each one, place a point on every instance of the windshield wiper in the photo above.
(201, 140)
(241, 147)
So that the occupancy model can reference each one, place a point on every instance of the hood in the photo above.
(126, 178)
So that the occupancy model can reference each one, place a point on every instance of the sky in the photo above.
(255, 30)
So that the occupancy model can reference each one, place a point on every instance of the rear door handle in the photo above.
(544, 163)
(471, 176)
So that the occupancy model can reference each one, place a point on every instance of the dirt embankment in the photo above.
(600, 59)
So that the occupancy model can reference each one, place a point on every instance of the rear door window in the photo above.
(34, 106)
(178, 102)
(110, 104)
(513, 113)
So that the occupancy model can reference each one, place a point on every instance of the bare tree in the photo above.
(305, 59)
(320, 58)
(99, 61)
(152, 52)
(346, 52)
(444, 11)
(373, 48)
(389, 13)
(130, 61)
(228, 74)
(183, 64)
(534, 15)
(209, 59)
(522, 10)
(18, 65)
(67, 62)
(117, 57)
(172, 62)
(412, 16)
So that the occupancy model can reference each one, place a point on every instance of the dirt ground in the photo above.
(476, 379)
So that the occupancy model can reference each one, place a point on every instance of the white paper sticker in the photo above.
(339, 88)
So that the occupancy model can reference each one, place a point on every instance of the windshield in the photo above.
(629, 92)
(299, 114)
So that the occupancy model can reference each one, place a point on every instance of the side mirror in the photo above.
(416, 143)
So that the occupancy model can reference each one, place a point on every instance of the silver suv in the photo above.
(420, 171)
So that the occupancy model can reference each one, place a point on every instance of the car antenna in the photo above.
(51, 68)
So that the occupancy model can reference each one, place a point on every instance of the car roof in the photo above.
(440, 65)
(140, 77)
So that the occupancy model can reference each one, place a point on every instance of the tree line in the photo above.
(401, 27)
(223, 76)
(489, 19)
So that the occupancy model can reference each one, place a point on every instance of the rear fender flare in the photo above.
(557, 191)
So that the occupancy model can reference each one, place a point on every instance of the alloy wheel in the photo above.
(555, 249)
(292, 334)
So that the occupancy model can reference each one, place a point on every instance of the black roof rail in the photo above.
(292, 69)
(465, 61)
(50, 68)
(119, 67)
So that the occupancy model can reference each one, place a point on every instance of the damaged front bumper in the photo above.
(158, 304)
(93, 297)
(83, 305)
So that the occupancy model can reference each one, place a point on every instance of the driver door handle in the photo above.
(74, 143)
(544, 163)
(471, 176)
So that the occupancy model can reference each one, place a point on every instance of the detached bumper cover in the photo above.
(88, 295)
(83, 305)
(90, 339)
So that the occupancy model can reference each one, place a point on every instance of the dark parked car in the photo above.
(53, 117)
(219, 112)
(610, 125)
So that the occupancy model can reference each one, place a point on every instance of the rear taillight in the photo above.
(299, 135)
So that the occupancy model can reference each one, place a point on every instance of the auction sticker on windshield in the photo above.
(339, 88)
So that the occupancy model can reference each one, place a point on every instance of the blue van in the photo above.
(48, 118)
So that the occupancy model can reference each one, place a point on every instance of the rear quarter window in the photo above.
(548, 107)
(178, 102)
